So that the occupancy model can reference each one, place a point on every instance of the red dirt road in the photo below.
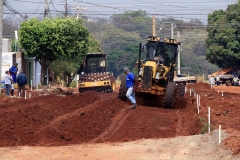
(91, 117)
(88, 117)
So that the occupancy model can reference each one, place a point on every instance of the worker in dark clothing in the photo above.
(21, 81)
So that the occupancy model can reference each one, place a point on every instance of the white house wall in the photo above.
(6, 62)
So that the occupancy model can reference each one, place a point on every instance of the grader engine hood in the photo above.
(151, 74)
(158, 71)
(153, 65)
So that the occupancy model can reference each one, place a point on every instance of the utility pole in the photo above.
(46, 9)
(153, 26)
(77, 8)
(1, 37)
(179, 50)
(171, 27)
(66, 4)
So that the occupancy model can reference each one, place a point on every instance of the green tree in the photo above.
(223, 42)
(118, 59)
(66, 68)
(136, 21)
(94, 45)
(50, 39)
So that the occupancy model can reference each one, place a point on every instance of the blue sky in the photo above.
(184, 9)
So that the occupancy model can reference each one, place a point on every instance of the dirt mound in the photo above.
(85, 117)
(21, 120)
(199, 87)
(49, 119)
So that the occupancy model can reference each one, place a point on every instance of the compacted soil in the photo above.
(58, 124)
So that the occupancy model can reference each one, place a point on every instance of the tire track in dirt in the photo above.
(16, 108)
(23, 104)
(117, 122)
(66, 116)
(179, 123)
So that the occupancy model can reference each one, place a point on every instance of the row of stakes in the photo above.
(30, 93)
(197, 96)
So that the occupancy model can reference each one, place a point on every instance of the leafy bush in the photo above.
(205, 125)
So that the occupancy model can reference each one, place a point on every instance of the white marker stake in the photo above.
(198, 110)
(190, 92)
(198, 100)
(29, 95)
(219, 135)
(194, 94)
(222, 93)
(185, 89)
(208, 119)
(31, 85)
(197, 103)
(18, 94)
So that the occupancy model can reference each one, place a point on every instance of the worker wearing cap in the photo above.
(13, 71)
(130, 87)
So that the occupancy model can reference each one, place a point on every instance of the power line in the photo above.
(11, 8)
(118, 8)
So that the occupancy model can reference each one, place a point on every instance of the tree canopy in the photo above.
(50, 39)
(66, 68)
(223, 42)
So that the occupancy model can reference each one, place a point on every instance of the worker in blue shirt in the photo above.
(130, 79)
(13, 71)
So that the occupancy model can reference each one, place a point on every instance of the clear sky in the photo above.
(179, 9)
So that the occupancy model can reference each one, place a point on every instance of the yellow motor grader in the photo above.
(93, 75)
(156, 71)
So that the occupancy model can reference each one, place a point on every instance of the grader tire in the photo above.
(123, 90)
(168, 99)
(181, 90)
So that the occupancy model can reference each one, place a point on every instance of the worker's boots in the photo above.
(134, 106)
